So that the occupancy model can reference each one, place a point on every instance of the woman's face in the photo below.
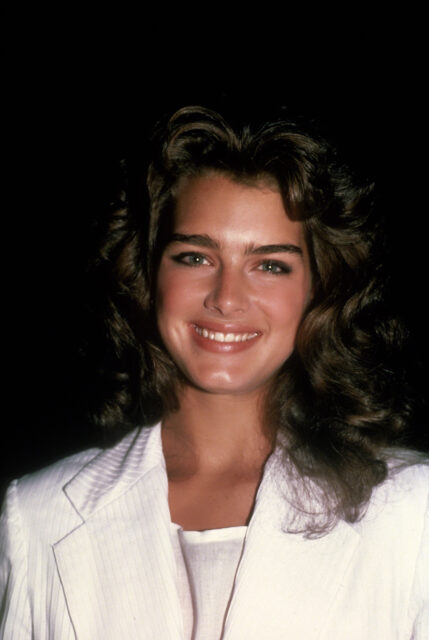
(232, 285)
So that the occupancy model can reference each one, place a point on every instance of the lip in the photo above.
(223, 347)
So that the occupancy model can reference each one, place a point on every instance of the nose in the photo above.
(228, 292)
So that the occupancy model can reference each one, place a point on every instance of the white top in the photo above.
(207, 562)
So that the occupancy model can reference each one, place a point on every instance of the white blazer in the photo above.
(87, 554)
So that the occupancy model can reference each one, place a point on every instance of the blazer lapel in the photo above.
(117, 568)
(286, 585)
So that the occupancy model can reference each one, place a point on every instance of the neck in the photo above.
(215, 433)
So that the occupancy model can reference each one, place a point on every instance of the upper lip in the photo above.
(227, 327)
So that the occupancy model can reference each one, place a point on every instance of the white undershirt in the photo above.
(206, 562)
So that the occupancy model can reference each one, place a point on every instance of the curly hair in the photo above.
(339, 399)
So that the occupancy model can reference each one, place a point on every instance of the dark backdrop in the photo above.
(73, 109)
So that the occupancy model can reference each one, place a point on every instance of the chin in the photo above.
(226, 385)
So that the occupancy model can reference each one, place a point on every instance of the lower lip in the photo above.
(222, 347)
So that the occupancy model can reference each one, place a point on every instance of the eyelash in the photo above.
(273, 267)
(180, 258)
(281, 267)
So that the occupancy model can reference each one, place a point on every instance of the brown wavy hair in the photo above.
(339, 399)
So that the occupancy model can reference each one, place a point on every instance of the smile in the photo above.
(219, 336)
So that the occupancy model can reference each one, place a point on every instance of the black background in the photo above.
(80, 93)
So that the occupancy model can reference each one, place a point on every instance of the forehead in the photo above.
(221, 207)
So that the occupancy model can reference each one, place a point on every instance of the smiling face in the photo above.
(232, 285)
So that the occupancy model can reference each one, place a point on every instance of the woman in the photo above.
(268, 496)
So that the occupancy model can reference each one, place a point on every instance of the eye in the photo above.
(275, 267)
(191, 259)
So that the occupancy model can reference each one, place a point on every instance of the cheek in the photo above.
(286, 305)
(175, 296)
(166, 290)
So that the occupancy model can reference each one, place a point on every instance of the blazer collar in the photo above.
(113, 471)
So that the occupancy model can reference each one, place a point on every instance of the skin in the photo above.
(238, 265)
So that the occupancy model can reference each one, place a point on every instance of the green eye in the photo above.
(275, 267)
(190, 259)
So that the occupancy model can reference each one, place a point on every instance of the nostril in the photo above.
(228, 295)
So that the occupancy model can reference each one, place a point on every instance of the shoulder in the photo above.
(398, 511)
(54, 477)
(395, 534)
(49, 480)
(40, 501)
(408, 479)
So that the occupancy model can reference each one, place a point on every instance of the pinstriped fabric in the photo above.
(130, 573)
(15, 612)
(111, 472)
(87, 549)
(34, 517)
(86, 553)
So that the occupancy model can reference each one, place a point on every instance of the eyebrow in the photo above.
(202, 240)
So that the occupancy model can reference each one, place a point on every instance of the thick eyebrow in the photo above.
(206, 241)
(195, 238)
(275, 248)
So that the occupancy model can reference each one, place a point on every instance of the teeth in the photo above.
(218, 336)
